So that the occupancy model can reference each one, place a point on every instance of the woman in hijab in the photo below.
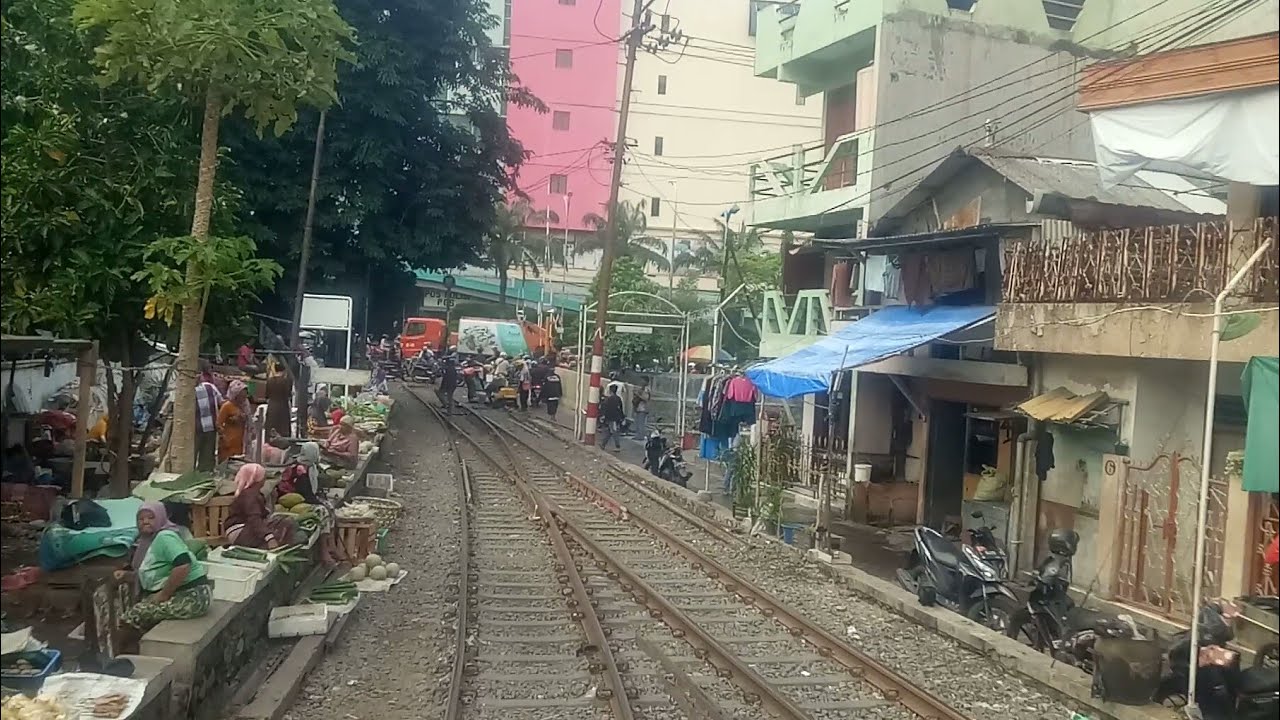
(318, 416)
(250, 521)
(303, 477)
(343, 445)
(233, 418)
(174, 582)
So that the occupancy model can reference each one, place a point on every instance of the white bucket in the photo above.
(862, 472)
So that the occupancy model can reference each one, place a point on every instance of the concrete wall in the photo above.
(1000, 200)
(1104, 329)
(1164, 414)
(928, 59)
(1114, 24)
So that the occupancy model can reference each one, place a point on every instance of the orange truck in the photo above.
(419, 333)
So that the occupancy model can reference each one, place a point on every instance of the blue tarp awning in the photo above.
(880, 335)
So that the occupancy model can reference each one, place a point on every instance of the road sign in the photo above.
(634, 329)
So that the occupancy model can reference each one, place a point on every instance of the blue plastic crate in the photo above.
(17, 681)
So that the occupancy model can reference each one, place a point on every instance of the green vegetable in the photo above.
(291, 499)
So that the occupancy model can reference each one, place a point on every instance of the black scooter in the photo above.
(958, 578)
(424, 368)
(1224, 691)
(666, 460)
(1051, 623)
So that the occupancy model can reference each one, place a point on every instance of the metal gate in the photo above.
(1157, 534)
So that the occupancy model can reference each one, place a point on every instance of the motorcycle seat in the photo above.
(1259, 681)
(942, 550)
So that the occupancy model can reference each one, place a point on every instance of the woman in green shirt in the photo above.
(174, 583)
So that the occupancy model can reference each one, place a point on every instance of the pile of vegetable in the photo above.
(356, 511)
(41, 707)
(338, 592)
(289, 556)
(373, 568)
(295, 504)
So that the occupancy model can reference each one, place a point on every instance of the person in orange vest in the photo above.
(1272, 556)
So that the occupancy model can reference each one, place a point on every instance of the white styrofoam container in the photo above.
(232, 582)
(299, 620)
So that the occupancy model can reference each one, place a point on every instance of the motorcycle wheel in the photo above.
(1023, 628)
(996, 613)
(909, 579)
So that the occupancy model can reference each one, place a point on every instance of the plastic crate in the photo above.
(232, 582)
(51, 659)
(298, 621)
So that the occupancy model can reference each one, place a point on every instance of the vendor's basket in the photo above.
(208, 517)
(358, 537)
(385, 512)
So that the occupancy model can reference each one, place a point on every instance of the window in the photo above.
(657, 145)
(559, 120)
(655, 207)
(662, 84)
(564, 58)
(559, 184)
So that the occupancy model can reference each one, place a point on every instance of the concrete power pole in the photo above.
(639, 26)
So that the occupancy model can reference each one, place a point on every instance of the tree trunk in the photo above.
(182, 455)
(122, 429)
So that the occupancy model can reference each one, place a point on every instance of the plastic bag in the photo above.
(991, 487)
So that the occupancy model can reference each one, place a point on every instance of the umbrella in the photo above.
(702, 354)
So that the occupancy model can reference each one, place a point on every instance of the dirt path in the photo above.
(393, 660)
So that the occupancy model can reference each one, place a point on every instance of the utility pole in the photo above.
(639, 27)
(675, 217)
(308, 228)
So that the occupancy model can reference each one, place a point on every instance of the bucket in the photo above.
(789, 533)
(862, 472)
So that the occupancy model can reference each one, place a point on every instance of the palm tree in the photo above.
(633, 238)
(512, 247)
(709, 255)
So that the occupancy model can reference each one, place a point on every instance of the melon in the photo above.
(373, 560)
(393, 570)
(356, 574)
(290, 499)
(378, 572)
(302, 509)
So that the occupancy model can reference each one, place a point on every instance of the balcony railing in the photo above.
(810, 169)
(1165, 264)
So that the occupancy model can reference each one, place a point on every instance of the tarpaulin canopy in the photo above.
(1261, 384)
(880, 335)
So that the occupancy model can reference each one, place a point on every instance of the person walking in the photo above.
(448, 381)
(524, 382)
(208, 402)
(640, 407)
(551, 391)
(613, 415)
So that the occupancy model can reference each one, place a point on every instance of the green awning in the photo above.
(1262, 437)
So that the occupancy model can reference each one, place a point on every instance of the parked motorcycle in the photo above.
(666, 460)
(1224, 691)
(958, 578)
(1051, 623)
(988, 546)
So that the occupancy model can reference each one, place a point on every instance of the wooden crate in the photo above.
(208, 517)
(358, 537)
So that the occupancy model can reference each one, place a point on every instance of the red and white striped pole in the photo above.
(639, 26)
(593, 389)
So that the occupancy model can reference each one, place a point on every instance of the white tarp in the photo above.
(1233, 135)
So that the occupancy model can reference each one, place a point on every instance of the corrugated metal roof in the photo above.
(1060, 405)
(1076, 179)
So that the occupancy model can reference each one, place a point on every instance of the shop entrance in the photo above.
(944, 483)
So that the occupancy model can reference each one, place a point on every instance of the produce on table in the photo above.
(110, 706)
(280, 508)
(373, 560)
(393, 569)
(378, 572)
(356, 511)
(357, 573)
(302, 509)
(236, 552)
(41, 707)
(339, 592)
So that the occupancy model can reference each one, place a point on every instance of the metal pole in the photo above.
(633, 38)
(675, 218)
(715, 327)
(308, 227)
(1202, 511)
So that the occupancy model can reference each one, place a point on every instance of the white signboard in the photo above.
(634, 329)
(326, 312)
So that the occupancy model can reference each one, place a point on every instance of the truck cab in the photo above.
(419, 333)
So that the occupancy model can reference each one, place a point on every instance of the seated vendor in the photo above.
(303, 477)
(173, 581)
(343, 446)
(250, 521)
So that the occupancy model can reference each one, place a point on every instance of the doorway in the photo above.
(944, 476)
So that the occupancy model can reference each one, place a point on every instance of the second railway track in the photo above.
(683, 637)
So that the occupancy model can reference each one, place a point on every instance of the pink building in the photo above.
(566, 52)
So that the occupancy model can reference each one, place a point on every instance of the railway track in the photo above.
(684, 636)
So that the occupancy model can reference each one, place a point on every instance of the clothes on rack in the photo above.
(726, 402)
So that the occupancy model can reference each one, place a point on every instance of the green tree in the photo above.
(513, 247)
(630, 348)
(634, 240)
(417, 161)
(263, 58)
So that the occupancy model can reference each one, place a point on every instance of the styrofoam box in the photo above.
(380, 484)
(299, 620)
(232, 582)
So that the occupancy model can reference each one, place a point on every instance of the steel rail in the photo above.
(891, 684)
(580, 602)
(453, 710)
